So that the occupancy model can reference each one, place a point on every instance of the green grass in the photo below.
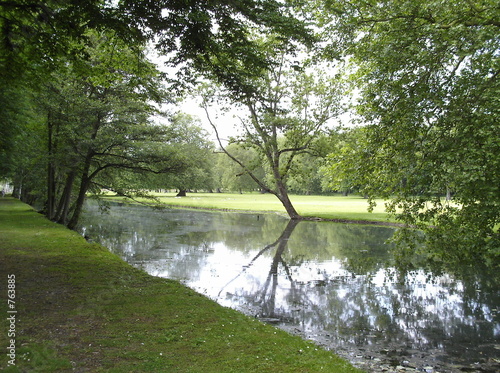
(352, 207)
(81, 308)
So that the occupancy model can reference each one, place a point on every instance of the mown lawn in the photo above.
(81, 308)
(352, 207)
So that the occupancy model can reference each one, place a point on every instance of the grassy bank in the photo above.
(81, 308)
(328, 207)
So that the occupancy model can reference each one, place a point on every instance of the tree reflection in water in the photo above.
(334, 283)
(267, 297)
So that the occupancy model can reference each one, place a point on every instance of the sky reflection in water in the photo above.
(337, 284)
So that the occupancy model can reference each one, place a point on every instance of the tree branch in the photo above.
(247, 170)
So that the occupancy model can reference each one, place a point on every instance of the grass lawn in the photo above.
(328, 207)
(80, 308)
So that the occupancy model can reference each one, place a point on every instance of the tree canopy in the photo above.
(428, 74)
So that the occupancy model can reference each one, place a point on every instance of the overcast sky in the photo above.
(225, 122)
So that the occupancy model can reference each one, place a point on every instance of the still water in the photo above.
(336, 284)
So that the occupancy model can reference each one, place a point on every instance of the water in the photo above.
(336, 284)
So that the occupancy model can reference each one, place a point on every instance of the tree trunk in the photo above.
(84, 186)
(86, 178)
(448, 194)
(51, 184)
(65, 201)
(285, 200)
(16, 190)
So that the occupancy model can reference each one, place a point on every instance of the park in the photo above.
(353, 140)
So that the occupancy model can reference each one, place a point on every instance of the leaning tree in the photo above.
(284, 109)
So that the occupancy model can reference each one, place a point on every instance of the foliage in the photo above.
(193, 150)
(96, 119)
(428, 74)
(14, 108)
(213, 38)
(307, 177)
(287, 109)
(187, 31)
(233, 177)
(341, 169)
(39, 33)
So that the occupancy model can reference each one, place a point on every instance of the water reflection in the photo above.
(337, 284)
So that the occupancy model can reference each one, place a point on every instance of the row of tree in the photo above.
(212, 170)
(80, 103)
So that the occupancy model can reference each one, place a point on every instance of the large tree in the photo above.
(429, 80)
(286, 109)
(97, 118)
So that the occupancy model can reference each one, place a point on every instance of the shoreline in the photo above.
(164, 204)
(81, 308)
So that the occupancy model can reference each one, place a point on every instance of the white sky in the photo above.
(226, 123)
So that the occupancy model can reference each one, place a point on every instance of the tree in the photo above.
(27, 162)
(195, 152)
(40, 33)
(341, 169)
(234, 177)
(98, 120)
(307, 176)
(287, 108)
(14, 108)
(429, 79)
